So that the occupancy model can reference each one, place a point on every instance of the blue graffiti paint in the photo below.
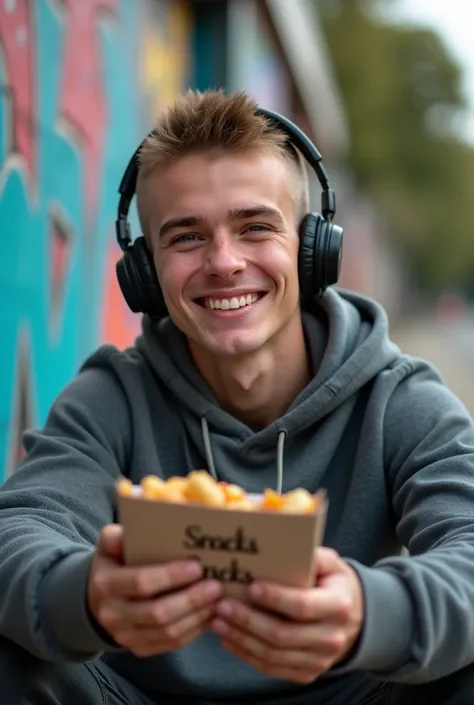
(25, 223)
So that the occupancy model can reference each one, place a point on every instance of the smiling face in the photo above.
(222, 229)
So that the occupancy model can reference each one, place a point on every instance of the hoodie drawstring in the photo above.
(206, 437)
(280, 449)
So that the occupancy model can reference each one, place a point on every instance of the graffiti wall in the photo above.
(79, 83)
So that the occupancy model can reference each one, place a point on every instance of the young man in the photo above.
(242, 360)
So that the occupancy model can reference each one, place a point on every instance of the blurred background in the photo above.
(386, 89)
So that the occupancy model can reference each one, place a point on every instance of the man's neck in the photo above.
(258, 388)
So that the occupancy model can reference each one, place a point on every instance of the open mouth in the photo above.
(231, 304)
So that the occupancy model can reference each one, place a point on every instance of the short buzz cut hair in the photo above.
(214, 123)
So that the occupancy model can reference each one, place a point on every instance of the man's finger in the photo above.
(149, 633)
(110, 542)
(147, 581)
(277, 633)
(327, 561)
(172, 608)
(308, 605)
(296, 675)
(270, 656)
(150, 645)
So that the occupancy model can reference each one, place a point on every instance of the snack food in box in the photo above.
(236, 535)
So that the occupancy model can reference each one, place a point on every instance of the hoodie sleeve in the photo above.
(51, 510)
(418, 622)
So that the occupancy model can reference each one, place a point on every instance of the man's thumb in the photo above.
(110, 541)
(327, 561)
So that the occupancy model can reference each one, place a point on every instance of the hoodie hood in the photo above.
(347, 339)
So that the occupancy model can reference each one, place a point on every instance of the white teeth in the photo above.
(233, 303)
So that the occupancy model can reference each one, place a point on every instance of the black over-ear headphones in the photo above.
(320, 250)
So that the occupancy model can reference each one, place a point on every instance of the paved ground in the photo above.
(448, 346)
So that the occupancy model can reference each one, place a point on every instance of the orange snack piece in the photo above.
(272, 501)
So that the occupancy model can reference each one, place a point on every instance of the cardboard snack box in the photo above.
(234, 546)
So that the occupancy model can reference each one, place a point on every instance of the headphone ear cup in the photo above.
(333, 248)
(320, 254)
(138, 281)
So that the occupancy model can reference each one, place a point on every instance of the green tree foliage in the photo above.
(402, 92)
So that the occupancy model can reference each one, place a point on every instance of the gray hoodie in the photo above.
(393, 448)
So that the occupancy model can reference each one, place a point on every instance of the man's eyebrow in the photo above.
(180, 222)
(254, 212)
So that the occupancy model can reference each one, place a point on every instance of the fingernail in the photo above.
(213, 590)
(194, 570)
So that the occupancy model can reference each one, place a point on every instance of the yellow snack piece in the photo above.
(244, 504)
(174, 490)
(202, 488)
(173, 493)
(232, 492)
(298, 501)
(125, 487)
(176, 481)
(152, 487)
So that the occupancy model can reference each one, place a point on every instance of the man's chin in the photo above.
(230, 344)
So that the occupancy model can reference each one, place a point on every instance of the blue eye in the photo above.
(186, 237)
(256, 227)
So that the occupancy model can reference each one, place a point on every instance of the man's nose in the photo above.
(224, 257)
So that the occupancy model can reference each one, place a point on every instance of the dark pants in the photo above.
(25, 680)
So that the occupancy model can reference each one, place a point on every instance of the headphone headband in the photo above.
(295, 136)
(299, 140)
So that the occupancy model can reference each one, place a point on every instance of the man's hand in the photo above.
(148, 610)
(295, 633)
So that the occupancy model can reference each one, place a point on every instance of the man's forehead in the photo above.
(230, 177)
(215, 189)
